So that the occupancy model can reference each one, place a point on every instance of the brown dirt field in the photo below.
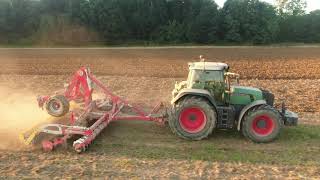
(278, 63)
(147, 76)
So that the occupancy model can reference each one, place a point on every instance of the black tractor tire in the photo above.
(269, 120)
(57, 106)
(193, 109)
(268, 96)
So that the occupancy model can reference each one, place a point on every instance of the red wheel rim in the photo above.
(263, 125)
(192, 119)
(56, 105)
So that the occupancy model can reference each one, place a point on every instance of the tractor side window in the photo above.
(197, 76)
(216, 76)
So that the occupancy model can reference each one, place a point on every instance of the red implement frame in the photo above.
(80, 89)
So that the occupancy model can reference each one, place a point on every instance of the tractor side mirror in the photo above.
(232, 76)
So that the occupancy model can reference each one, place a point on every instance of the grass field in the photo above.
(145, 150)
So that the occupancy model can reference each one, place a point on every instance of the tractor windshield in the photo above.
(196, 76)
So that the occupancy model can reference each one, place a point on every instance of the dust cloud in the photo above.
(19, 112)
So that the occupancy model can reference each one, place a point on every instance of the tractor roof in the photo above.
(217, 66)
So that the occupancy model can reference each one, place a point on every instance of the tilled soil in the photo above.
(250, 63)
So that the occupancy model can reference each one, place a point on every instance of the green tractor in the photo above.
(208, 100)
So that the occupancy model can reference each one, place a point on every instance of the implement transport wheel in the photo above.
(262, 124)
(192, 118)
(57, 106)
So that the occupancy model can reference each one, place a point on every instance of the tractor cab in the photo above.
(204, 73)
(213, 77)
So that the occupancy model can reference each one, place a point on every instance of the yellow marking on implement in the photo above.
(28, 140)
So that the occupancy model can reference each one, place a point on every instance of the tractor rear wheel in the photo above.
(57, 106)
(192, 118)
(262, 124)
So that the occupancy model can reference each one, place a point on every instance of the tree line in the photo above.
(157, 22)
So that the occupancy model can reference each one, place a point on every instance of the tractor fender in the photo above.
(194, 92)
(248, 107)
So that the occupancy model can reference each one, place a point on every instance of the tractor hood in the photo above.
(245, 95)
(244, 89)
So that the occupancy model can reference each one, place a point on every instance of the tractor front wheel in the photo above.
(57, 106)
(192, 118)
(262, 124)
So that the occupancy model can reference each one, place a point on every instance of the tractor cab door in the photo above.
(211, 80)
(214, 83)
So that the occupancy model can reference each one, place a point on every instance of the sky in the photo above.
(311, 4)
